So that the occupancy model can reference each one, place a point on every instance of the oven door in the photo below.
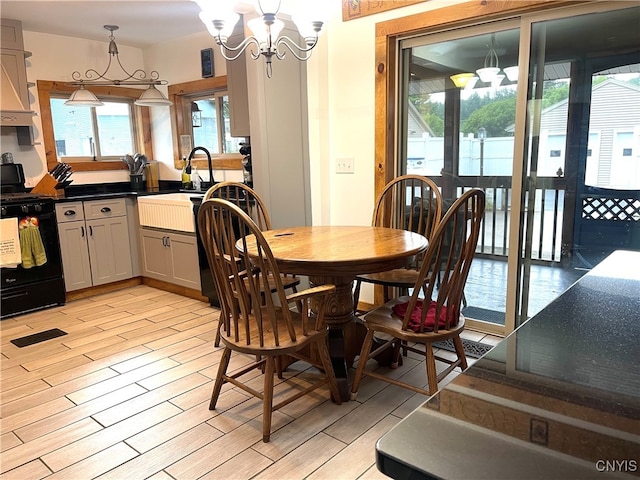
(42, 285)
(51, 268)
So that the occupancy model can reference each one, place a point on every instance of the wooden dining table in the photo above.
(335, 255)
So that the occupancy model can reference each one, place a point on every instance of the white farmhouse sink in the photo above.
(171, 211)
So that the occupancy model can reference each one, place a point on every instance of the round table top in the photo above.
(341, 250)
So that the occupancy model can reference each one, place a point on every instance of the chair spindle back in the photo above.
(451, 250)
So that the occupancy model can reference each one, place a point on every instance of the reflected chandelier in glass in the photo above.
(491, 64)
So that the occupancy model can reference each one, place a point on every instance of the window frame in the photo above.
(141, 119)
(181, 94)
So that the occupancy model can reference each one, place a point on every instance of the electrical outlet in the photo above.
(345, 165)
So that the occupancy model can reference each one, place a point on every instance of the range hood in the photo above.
(13, 112)
(15, 109)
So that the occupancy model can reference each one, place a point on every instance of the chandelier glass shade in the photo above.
(511, 73)
(462, 79)
(149, 97)
(82, 96)
(266, 39)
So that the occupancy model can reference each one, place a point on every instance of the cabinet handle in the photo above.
(168, 241)
(82, 231)
(105, 209)
(90, 230)
(164, 241)
(68, 213)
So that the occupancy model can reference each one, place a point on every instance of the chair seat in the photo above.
(382, 319)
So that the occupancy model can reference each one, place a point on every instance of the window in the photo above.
(67, 147)
(213, 131)
(210, 98)
(93, 133)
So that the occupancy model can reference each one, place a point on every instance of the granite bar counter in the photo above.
(559, 398)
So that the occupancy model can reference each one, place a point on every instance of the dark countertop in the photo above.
(117, 190)
(559, 398)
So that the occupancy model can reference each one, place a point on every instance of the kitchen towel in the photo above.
(33, 253)
(10, 254)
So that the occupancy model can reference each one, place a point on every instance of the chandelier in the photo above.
(150, 97)
(266, 41)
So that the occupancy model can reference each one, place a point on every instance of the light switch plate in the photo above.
(345, 165)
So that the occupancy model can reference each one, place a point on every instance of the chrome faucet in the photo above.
(205, 185)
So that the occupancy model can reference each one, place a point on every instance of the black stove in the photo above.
(31, 265)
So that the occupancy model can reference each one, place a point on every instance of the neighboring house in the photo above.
(613, 155)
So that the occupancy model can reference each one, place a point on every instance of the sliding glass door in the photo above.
(542, 113)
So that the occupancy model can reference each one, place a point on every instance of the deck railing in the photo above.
(546, 224)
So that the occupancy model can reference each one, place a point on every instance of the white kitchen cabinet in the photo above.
(170, 256)
(94, 242)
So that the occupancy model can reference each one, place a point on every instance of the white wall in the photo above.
(341, 90)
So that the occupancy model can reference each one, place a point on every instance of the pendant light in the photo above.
(150, 97)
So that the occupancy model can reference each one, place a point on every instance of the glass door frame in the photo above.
(388, 52)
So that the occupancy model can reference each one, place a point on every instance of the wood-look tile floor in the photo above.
(125, 395)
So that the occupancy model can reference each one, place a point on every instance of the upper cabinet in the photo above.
(15, 108)
(12, 34)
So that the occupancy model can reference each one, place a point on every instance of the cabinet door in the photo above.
(14, 67)
(75, 255)
(155, 255)
(109, 250)
(184, 260)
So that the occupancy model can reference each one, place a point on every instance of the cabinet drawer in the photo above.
(96, 209)
(69, 212)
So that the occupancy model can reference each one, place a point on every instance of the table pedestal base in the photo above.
(345, 339)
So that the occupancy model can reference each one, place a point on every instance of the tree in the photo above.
(495, 117)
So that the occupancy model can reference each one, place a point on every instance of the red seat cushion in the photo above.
(415, 321)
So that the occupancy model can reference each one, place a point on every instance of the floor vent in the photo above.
(38, 337)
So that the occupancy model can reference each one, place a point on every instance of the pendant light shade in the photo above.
(152, 97)
(511, 73)
(461, 79)
(83, 98)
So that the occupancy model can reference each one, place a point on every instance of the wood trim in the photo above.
(170, 287)
(177, 94)
(100, 289)
(143, 127)
(352, 9)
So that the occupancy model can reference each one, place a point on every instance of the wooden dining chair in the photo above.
(408, 202)
(419, 320)
(255, 325)
(250, 202)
